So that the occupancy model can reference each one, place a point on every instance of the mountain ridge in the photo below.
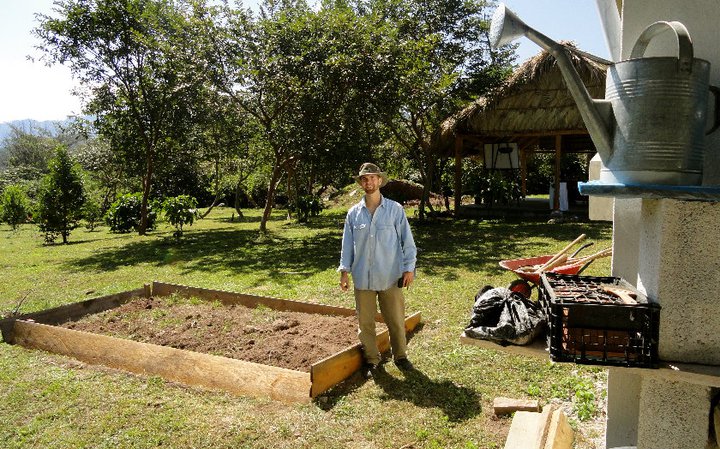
(29, 124)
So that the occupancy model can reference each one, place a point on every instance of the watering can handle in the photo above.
(685, 47)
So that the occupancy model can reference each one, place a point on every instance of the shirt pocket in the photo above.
(386, 236)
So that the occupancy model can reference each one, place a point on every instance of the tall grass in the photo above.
(54, 401)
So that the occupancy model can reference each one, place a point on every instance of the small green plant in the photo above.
(582, 393)
(533, 390)
(92, 214)
(584, 400)
(180, 210)
(14, 206)
(123, 215)
(491, 187)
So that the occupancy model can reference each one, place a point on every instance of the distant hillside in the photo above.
(28, 125)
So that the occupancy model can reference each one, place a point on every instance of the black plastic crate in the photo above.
(598, 328)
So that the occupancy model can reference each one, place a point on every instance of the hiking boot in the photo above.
(404, 365)
(368, 370)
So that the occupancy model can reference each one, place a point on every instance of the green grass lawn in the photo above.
(50, 401)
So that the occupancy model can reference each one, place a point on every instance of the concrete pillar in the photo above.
(626, 236)
(623, 408)
(674, 415)
(599, 207)
(679, 267)
(669, 249)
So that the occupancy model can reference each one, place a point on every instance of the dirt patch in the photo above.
(291, 340)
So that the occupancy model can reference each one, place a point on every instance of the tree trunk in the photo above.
(217, 188)
(426, 186)
(292, 198)
(427, 173)
(274, 181)
(214, 203)
(142, 230)
(238, 191)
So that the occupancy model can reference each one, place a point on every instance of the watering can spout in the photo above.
(597, 114)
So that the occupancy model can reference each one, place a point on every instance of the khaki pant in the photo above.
(392, 308)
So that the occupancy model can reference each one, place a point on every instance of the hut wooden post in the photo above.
(523, 170)
(458, 174)
(558, 156)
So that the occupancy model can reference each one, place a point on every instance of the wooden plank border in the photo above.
(187, 367)
(72, 312)
(38, 331)
(332, 370)
(252, 301)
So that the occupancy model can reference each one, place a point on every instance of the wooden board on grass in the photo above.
(74, 311)
(537, 348)
(232, 298)
(36, 331)
(187, 367)
(338, 367)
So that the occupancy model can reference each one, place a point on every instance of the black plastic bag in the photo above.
(505, 317)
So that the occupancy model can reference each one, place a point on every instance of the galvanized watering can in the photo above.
(650, 128)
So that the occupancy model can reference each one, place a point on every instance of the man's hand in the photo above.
(408, 278)
(344, 281)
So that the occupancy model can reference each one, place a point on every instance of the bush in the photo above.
(60, 198)
(306, 206)
(180, 210)
(491, 187)
(92, 213)
(124, 214)
(14, 206)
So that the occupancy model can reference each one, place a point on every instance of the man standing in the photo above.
(379, 250)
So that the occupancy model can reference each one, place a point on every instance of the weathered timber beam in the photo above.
(186, 367)
(334, 369)
(71, 312)
(251, 301)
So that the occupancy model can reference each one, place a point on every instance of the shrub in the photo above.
(124, 214)
(92, 213)
(490, 187)
(60, 198)
(14, 206)
(306, 206)
(180, 210)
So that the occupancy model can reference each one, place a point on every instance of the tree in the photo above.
(135, 59)
(107, 175)
(306, 77)
(446, 60)
(123, 215)
(14, 206)
(26, 155)
(227, 149)
(61, 197)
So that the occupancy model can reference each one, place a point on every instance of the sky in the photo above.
(31, 90)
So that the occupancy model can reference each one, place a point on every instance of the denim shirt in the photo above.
(377, 248)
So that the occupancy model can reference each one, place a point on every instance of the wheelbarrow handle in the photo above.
(580, 249)
(587, 264)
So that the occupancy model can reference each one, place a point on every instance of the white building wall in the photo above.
(669, 250)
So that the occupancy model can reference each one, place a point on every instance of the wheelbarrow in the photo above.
(531, 268)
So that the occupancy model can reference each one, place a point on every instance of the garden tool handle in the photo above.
(563, 251)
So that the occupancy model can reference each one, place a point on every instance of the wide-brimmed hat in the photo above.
(368, 168)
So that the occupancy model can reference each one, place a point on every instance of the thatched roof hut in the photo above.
(533, 109)
(533, 101)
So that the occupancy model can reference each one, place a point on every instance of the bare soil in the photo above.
(290, 340)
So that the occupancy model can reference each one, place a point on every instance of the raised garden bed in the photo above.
(291, 351)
